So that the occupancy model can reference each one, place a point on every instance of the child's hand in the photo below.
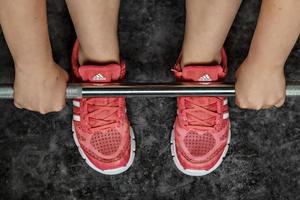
(259, 86)
(40, 89)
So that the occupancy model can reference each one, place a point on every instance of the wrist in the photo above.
(266, 57)
(264, 64)
(34, 65)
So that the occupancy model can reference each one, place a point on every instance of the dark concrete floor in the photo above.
(39, 159)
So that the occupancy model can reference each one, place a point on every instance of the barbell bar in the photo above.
(87, 90)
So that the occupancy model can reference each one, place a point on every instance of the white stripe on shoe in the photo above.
(225, 101)
(76, 118)
(76, 103)
(226, 115)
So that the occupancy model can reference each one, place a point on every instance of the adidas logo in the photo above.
(99, 77)
(206, 77)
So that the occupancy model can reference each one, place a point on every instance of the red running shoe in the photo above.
(100, 125)
(201, 134)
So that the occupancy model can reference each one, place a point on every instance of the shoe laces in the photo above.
(201, 113)
(102, 113)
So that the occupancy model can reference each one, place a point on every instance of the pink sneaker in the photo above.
(100, 125)
(201, 134)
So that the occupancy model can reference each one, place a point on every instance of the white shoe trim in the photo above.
(76, 103)
(225, 102)
(226, 115)
(192, 172)
(76, 118)
(111, 171)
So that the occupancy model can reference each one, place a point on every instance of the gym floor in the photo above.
(39, 159)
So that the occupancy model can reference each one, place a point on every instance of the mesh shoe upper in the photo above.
(202, 124)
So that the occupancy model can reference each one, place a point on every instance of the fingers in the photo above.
(44, 91)
(42, 109)
(18, 105)
(259, 104)
(280, 103)
(58, 108)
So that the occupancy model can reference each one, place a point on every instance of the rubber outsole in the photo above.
(192, 172)
(110, 171)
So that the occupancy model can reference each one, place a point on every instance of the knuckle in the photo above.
(43, 112)
(282, 97)
(243, 105)
(268, 105)
(18, 105)
(257, 107)
(238, 101)
(280, 104)
(58, 108)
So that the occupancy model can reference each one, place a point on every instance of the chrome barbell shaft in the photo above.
(150, 90)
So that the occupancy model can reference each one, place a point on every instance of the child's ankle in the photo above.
(204, 59)
(34, 65)
(93, 57)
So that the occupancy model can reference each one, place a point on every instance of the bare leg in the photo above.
(207, 26)
(39, 83)
(96, 23)
(277, 31)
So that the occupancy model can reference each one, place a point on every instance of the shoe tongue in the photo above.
(202, 73)
(100, 74)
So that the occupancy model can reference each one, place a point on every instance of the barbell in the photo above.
(87, 90)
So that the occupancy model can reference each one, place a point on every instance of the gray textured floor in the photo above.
(39, 159)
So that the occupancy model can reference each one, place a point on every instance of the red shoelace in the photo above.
(102, 113)
(201, 115)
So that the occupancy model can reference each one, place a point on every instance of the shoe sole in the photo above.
(109, 171)
(192, 172)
